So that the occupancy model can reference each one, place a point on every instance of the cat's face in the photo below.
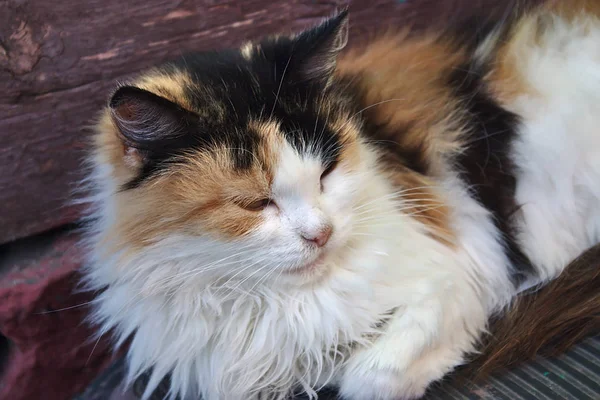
(250, 157)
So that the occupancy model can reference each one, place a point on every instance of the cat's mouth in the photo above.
(309, 267)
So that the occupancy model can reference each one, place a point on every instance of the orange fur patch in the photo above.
(409, 102)
(572, 9)
(402, 91)
(170, 86)
(201, 194)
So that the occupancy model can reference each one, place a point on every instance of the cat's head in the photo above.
(248, 161)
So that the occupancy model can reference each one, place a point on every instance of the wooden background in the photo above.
(59, 61)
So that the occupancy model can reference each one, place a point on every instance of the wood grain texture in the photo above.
(60, 59)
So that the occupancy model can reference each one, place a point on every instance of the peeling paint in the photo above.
(177, 14)
(242, 23)
(159, 43)
(102, 56)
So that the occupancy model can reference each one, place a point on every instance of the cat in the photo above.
(290, 215)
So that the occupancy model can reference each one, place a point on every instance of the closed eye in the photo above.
(257, 205)
(328, 170)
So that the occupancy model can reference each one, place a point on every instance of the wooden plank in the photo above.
(59, 60)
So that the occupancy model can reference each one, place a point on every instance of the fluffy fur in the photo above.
(282, 217)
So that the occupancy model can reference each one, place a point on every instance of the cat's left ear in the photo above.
(315, 50)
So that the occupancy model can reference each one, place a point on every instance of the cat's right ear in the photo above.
(319, 47)
(150, 124)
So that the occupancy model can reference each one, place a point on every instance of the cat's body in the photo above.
(413, 190)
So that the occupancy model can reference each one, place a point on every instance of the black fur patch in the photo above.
(230, 91)
(485, 165)
(414, 158)
(475, 27)
(262, 89)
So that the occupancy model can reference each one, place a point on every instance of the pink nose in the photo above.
(321, 237)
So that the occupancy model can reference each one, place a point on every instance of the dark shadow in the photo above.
(4, 350)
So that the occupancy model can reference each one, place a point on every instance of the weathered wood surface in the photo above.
(59, 60)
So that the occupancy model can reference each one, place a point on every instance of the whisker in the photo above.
(249, 277)
(93, 349)
(210, 266)
(367, 108)
(66, 308)
(238, 273)
(280, 85)
(403, 205)
(396, 194)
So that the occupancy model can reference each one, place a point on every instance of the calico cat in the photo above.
(287, 215)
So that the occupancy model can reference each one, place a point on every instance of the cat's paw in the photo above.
(379, 384)
(416, 349)
(392, 370)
